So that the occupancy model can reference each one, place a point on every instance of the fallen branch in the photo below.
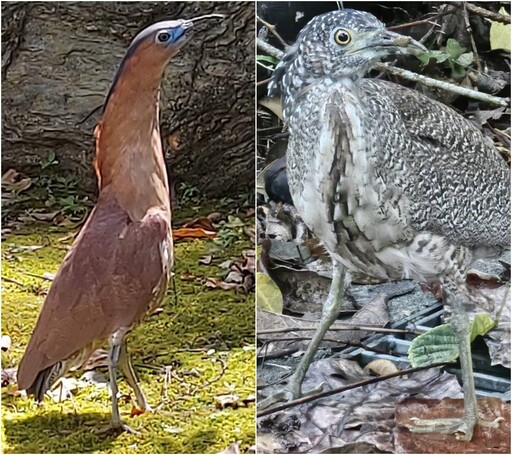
(329, 393)
(488, 14)
(272, 29)
(339, 328)
(434, 83)
(471, 37)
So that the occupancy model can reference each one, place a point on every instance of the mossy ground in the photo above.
(195, 321)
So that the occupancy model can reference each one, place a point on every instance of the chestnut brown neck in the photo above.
(129, 153)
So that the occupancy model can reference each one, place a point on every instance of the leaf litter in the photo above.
(351, 419)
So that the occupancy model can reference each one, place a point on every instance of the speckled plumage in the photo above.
(394, 183)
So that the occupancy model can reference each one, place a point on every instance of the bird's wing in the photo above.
(456, 179)
(108, 280)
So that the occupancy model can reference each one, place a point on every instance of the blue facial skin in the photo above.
(175, 34)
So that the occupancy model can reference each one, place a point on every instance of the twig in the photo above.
(269, 49)
(329, 393)
(219, 375)
(275, 355)
(422, 21)
(11, 280)
(434, 83)
(488, 14)
(469, 30)
(425, 37)
(278, 340)
(338, 328)
(277, 381)
(330, 340)
(269, 129)
(263, 82)
(409, 75)
(272, 29)
(42, 277)
(502, 306)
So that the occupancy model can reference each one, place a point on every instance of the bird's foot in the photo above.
(291, 391)
(462, 428)
(116, 427)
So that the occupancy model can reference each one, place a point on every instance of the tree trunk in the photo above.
(58, 60)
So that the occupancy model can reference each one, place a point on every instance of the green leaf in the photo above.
(437, 345)
(267, 59)
(440, 344)
(458, 72)
(500, 34)
(268, 294)
(465, 59)
(425, 57)
(453, 48)
(440, 56)
(481, 324)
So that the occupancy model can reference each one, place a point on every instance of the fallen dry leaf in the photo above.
(202, 222)
(40, 216)
(230, 400)
(215, 283)
(240, 276)
(11, 182)
(233, 448)
(381, 367)
(359, 415)
(9, 177)
(187, 276)
(192, 233)
(136, 411)
(206, 260)
(8, 376)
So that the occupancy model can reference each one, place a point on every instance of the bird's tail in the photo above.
(45, 379)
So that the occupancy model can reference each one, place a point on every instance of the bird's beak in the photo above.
(386, 42)
(189, 23)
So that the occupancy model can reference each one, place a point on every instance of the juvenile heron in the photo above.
(396, 185)
(118, 267)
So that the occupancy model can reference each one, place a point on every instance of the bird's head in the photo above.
(164, 39)
(340, 44)
(154, 46)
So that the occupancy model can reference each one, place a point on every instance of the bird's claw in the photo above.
(288, 393)
(461, 428)
(118, 427)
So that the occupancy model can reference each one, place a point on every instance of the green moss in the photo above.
(194, 322)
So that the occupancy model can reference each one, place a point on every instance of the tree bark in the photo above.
(59, 58)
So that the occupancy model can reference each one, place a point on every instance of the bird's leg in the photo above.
(127, 368)
(461, 427)
(330, 311)
(116, 424)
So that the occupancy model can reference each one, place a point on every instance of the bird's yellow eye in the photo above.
(342, 37)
